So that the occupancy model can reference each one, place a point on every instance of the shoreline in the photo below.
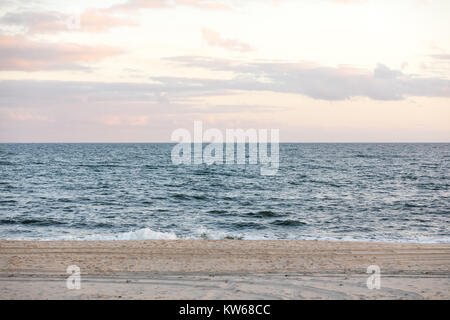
(240, 238)
(223, 269)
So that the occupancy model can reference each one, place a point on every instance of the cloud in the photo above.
(214, 39)
(317, 82)
(215, 5)
(177, 93)
(437, 64)
(19, 53)
(37, 21)
(383, 72)
(132, 5)
(97, 20)
(160, 4)
(347, 1)
(26, 116)
(40, 22)
(124, 120)
(99, 111)
(202, 4)
(117, 93)
(116, 98)
(440, 56)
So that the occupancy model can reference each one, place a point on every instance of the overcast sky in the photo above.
(136, 70)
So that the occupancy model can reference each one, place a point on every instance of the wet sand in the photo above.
(223, 269)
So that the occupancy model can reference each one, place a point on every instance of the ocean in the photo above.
(337, 191)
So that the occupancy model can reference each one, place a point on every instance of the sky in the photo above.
(136, 70)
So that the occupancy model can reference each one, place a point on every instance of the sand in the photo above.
(223, 269)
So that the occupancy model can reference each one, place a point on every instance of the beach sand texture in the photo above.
(223, 269)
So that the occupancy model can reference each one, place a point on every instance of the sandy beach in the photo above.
(223, 269)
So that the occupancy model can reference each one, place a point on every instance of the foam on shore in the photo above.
(203, 233)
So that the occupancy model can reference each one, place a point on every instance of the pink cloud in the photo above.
(110, 120)
(158, 4)
(348, 1)
(124, 120)
(20, 53)
(91, 20)
(96, 20)
(140, 4)
(214, 39)
(211, 5)
(27, 116)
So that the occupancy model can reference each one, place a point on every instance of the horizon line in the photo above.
(173, 142)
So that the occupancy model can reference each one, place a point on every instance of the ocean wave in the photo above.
(263, 214)
(8, 201)
(218, 211)
(248, 225)
(202, 233)
(141, 234)
(35, 222)
(181, 196)
(288, 222)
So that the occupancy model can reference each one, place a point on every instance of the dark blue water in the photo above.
(393, 192)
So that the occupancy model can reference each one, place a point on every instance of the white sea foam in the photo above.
(206, 234)
(141, 234)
